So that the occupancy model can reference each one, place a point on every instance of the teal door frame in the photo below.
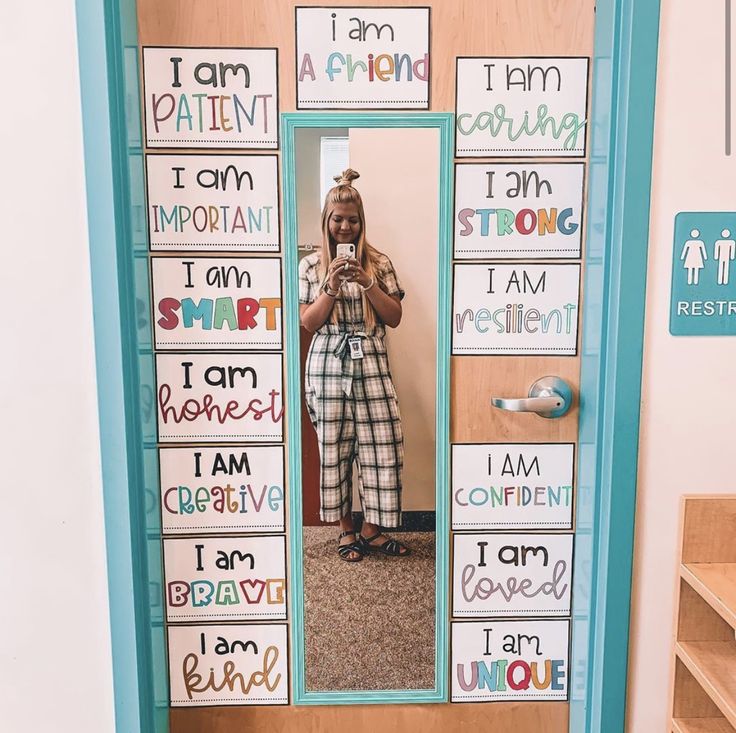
(622, 120)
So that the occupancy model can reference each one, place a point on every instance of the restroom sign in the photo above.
(362, 58)
(704, 274)
(517, 210)
(210, 97)
(521, 106)
(519, 308)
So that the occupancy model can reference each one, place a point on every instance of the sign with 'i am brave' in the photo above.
(510, 660)
(512, 486)
(210, 97)
(223, 302)
(211, 398)
(515, 309)
(511, 575)
(515, 210)
(234, 664)
(224, 202)
(227, 578)
(362, 58)
(222, 489)
(521, 107)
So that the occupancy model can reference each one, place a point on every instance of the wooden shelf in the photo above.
(701, 725)
(716, 584)
(713, 664)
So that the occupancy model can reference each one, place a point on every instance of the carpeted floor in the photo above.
(369, 625)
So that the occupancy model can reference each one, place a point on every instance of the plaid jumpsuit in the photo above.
(353, 404)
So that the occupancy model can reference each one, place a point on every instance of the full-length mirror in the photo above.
(367, 204)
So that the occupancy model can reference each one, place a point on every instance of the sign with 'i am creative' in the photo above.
(521, 107)
(515, 309)
(511, 575)
(223, 302)
(211, 97)
(510, 660)
(223, 489)
(224, 202)
(512, 486)
(225, 578)
(516, 210)
(211, 398)
(362, 57)
(234, 664)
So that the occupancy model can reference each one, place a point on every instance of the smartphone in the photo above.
(346, 250)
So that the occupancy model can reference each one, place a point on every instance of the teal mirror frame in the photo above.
(443, 122)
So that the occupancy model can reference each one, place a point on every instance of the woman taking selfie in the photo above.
(348, 294)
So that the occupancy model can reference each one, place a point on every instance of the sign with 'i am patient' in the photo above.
(210, 97)
(223, 302)
(515, 210)
(219, 397)
(224, 202)
(234, 664)
(227, 578)
(512, 486)
(521, 107)
(510, 660)
(362, 57)
(515, 309)
(222, 489)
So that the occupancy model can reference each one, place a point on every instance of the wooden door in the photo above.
(458, 28)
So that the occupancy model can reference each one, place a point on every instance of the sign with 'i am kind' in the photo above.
(521, 106)
(223, 302)
(512, 210)
(234, 664)
(224, 202)
(210, 97)
(512, 486)
(362, 58)
(515, 309)
(511, 575)
(509, 660)
(227, 578)
(211, 398)
(223, 489)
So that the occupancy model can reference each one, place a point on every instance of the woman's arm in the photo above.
(313, 315)
(388, 307)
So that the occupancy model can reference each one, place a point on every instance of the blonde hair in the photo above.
(368, 256)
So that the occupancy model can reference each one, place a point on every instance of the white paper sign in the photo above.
(510, 660)
(217, 302)
(362, 57)
(208, 398)
(224, 202)
(222, 489)
(237, 664)
(511, 574)
(517, 210)
(210, 97)
(512, 486)
(515, 309)
(521, 107)
(225, 578)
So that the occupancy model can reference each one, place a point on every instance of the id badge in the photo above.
(356, 347)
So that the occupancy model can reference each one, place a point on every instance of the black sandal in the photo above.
(344, 550)
(392, 548)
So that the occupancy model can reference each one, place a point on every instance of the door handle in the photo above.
(548, 397)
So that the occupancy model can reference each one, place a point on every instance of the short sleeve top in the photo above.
(349, 303)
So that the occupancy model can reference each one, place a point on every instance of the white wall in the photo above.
(688, 418)
(56, 666)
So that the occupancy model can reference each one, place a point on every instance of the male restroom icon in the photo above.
(724, 251)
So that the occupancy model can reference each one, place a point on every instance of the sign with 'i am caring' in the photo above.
(224, 202)
(521, 107)
(210, 97)
(362, 58)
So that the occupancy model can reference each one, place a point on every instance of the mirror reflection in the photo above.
(368, 238)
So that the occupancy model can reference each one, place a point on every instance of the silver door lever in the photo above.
(548, 397)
